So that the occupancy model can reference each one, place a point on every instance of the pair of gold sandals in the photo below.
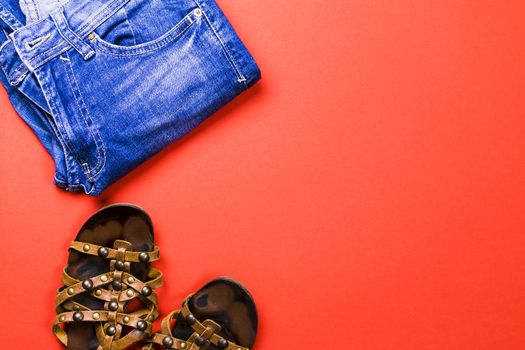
(108, 300)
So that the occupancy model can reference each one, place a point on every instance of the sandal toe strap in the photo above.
(112, 253)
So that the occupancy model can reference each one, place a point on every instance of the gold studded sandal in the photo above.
(221, 315)
(107, 301)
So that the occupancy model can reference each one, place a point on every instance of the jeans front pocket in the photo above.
(150, 46)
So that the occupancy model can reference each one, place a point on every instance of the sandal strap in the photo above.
(75, 287)
(130, 256)
(101, 287)
(134, 291)
(204, 332)
(129, 320)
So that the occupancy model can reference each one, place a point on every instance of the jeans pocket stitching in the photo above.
(151, 46)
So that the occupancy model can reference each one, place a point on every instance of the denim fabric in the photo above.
(35, 10)
(106, 84)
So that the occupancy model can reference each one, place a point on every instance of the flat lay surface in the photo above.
(368, 191)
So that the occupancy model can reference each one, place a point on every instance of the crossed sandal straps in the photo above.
(103, 300)
(204, 333)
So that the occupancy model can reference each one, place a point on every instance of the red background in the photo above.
(369, 190)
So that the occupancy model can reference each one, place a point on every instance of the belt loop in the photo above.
(9, 19)
(65, 31)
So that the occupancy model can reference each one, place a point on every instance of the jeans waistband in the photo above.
(30, 46)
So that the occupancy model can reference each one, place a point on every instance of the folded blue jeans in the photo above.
(106, 84)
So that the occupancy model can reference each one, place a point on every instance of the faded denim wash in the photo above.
(106, 84)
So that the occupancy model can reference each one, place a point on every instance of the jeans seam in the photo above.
(32, 8)
(3, 69)
(103, 13)
(129, 25)
(91, 172)
(9, 19)
(59, 181)
(240, 77)
(64, 143)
